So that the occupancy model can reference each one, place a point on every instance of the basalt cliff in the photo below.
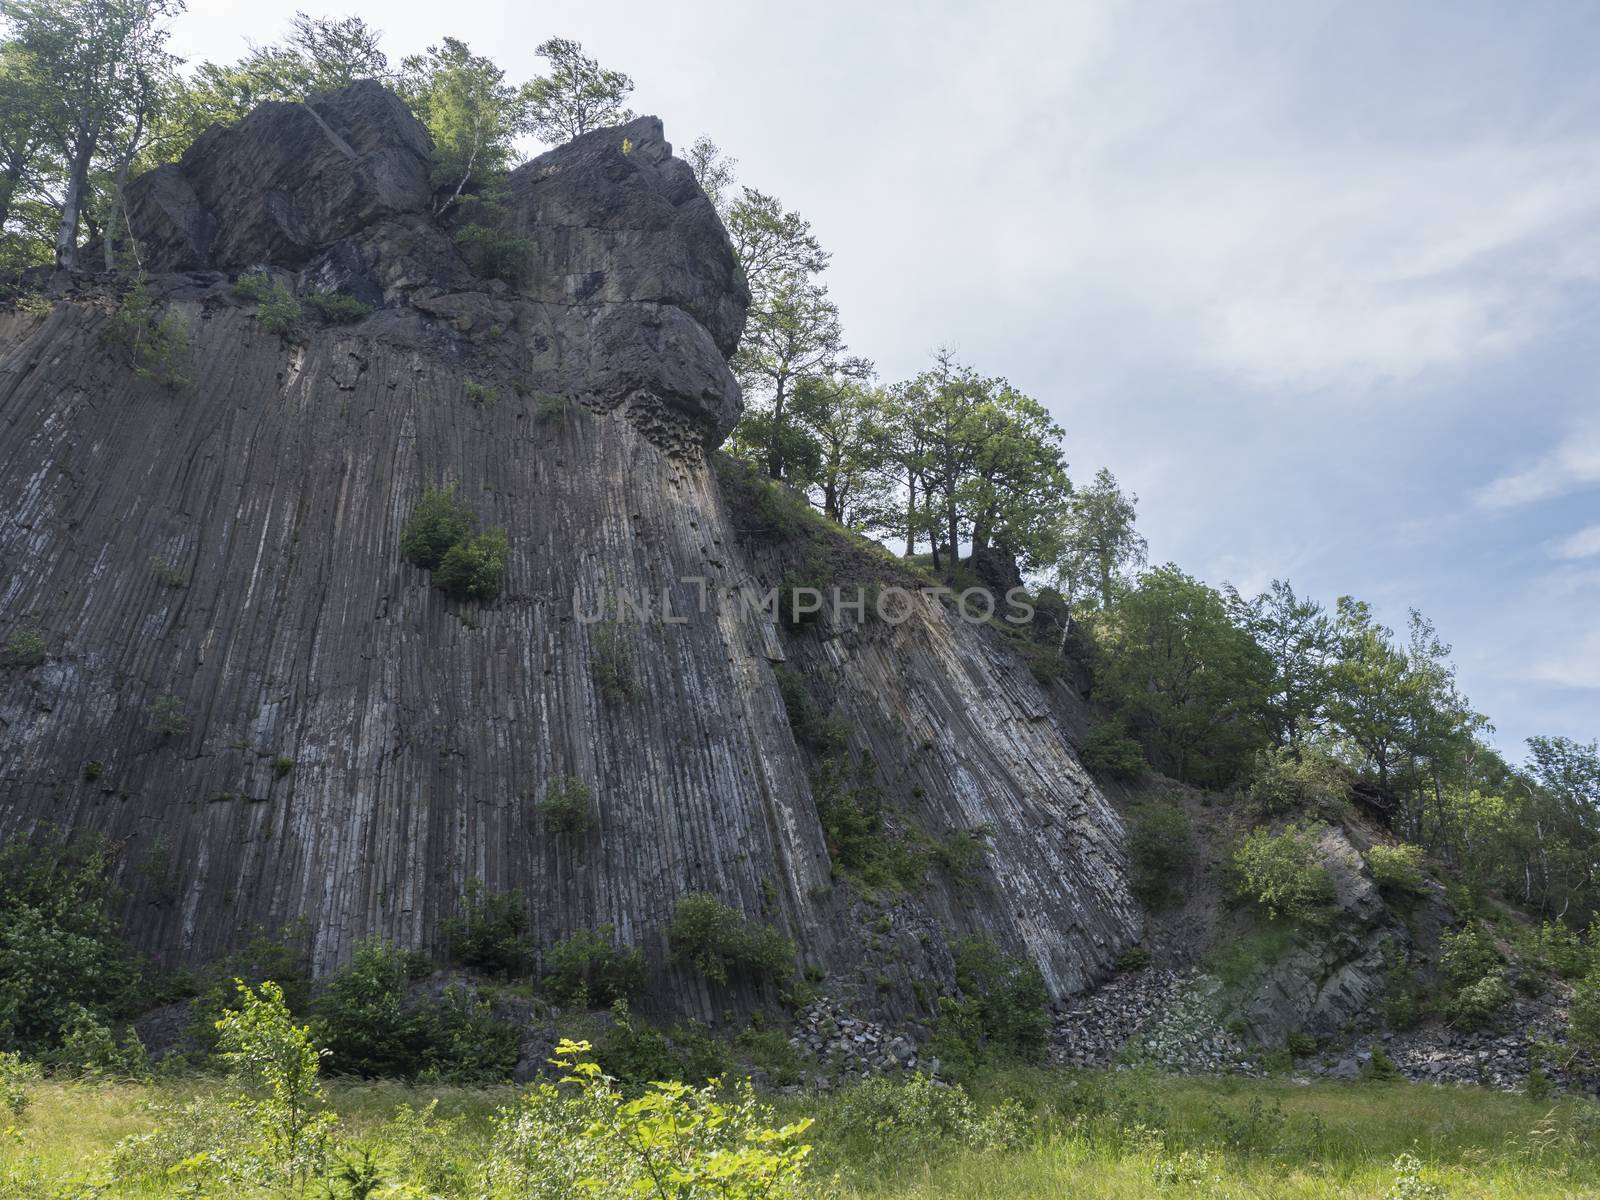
(243, 682)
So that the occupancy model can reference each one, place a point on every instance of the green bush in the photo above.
(850, 809)
(462, 1042)
(722, 944)
(491, 934)
(1160, 851)
(1396, 868)
(962, 854)
(1556, 949)
(1399, 1001)
(89, 1049)
(18, 1078)
(916, 1120)
(1474, 1005)
(59, 945)
(362, 1016)
(568, 806)
(1380, 1067)
(1296, 779)
(276, 307)
(480, 394)
(591, 969)
(1283, 872)
(495, 254)
(440, 520)
(282, 957)
(337, 308)
(588, 1139)
(1467, 955)
(825, 734)
(157, 340)
(1001, 1013)
(167, 716)
(26, 648)
(611, 662)
(474, 567)
(282, 764)
(1583, 1013)
(1108, 751)
(773, 1054)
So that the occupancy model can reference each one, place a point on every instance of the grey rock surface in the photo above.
(235, 547)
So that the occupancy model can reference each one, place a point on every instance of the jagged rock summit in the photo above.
(274, 716)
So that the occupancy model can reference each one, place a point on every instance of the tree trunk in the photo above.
(77, 184)
(775, 447)
(911, 515)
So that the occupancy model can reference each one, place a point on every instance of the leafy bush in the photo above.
(282, 764)
(1555, 948)
(917, 1120)
(722, 944)
(18, 1078)
(550, 407)
(1399, 1000)
(1583, 1013)
(1283, 872)
(1160, 850)
(821, 732)
(440, 520)
(26, 647)
(274, 1063)
(462, 1042)
(773, 1054)
(849, 807)
(591, 968)
(1467, 955)
(673, 1141)
(276, 306)
(474, 567)
(1396, 868)
(1474, 1004)
(90, 1049)
(962, 853)
(568, 806)
(491, 934)
(1296, 779)
(480, 394)
(1107, 750)
(1001, 1013)
(362, 1017)
(167, 716)
(495, 254)
(1380, 1067)
(59, 945)
(281, 957)
(611, 661)
(157, 340)
(336, 307)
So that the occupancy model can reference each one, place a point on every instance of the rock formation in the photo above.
(275, 716)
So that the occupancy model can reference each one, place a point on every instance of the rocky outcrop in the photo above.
(287, 720)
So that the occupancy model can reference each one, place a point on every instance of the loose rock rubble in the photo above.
(1095, 1028)
(854, 1047)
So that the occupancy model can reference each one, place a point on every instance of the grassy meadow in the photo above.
(1090, 1134)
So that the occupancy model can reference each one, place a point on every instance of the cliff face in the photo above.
(356, 744)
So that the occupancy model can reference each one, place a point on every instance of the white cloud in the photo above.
(1583, 544)
(1578, 667)
(1573, 465)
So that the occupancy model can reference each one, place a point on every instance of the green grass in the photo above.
(1089, 1134)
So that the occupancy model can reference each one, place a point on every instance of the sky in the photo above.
(1318, 281)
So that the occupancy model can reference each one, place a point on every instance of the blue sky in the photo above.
(1320, 282)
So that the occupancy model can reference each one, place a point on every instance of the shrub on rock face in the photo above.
(1108, 751)
(1283, 873)
(491, 933)
(157, 340)
(1160, 848)
(721, 943)
(1397, 868)
(440, 520)
(1001, 1013)
(474, 567)
(1474, 977)
(568, 806)
(1296, 779)
(276, 306)
(591, 969)
(495, 254)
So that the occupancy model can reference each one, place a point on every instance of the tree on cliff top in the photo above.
(471, 112)
(577, 96)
